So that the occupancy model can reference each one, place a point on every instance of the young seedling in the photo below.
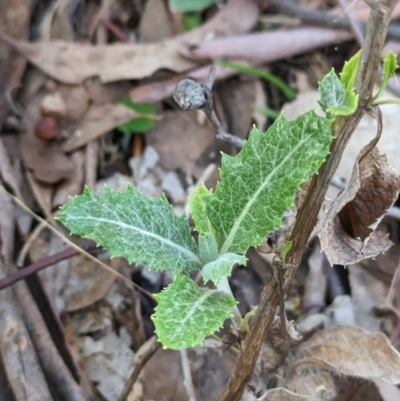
(257, 187)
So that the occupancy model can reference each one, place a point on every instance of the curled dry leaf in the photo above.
(319, 386)
(72, 63)
(323, 364)
(348, 235)
(350, 351)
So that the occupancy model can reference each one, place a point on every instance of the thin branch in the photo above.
(308, 213)
(144, 353)
(187, 375)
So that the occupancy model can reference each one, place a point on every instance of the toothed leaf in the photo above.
(259, 184)
(142, 229)
(187, 313)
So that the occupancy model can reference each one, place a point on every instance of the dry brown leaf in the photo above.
(46, 160)
(388, 391)
(350, 351)
(155, 14)
(162, 374)
(7, 173)
(180, 141)
(157, 91)
(99, 120)
(238, 96)
(73, 185)
(72, 63)
(267, 46)
(348, 235)
(281, 394)
(309, 386)
(20, 363)
(87, 282)
(43, 194)
(14, 19)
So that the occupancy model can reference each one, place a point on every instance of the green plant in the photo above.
(137, 125)
(183, 6)
(257, 187)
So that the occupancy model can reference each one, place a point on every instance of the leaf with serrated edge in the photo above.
(259, 184)
(198, 209)
(208, 248)
(142, 229)
(187, 313)
(222, 267)
(332, 91)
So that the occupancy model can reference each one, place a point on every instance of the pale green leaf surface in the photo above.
(208, 247)
(349, 72)
(198, 209)
(187, 313)
(222, 267)
(130, 224)
(348, 78)
(332, 92)
(259, 184)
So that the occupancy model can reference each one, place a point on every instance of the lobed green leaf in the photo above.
(187, 313)
(130, 224)
(332, 92)
(222, 267)
(259, 184)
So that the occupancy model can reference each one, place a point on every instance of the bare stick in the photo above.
(144, 353)
(187, 374)
(308, 213)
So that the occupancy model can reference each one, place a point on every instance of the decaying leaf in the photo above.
(318, 387)
(348, 235)
(14, 19)
(324, 365)
(350, 351)
(46, 160)
(72, 63)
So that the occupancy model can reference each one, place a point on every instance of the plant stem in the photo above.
(224, 286)
(309, 210)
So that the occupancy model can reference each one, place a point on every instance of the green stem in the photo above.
(385, 101)
(224, 286)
